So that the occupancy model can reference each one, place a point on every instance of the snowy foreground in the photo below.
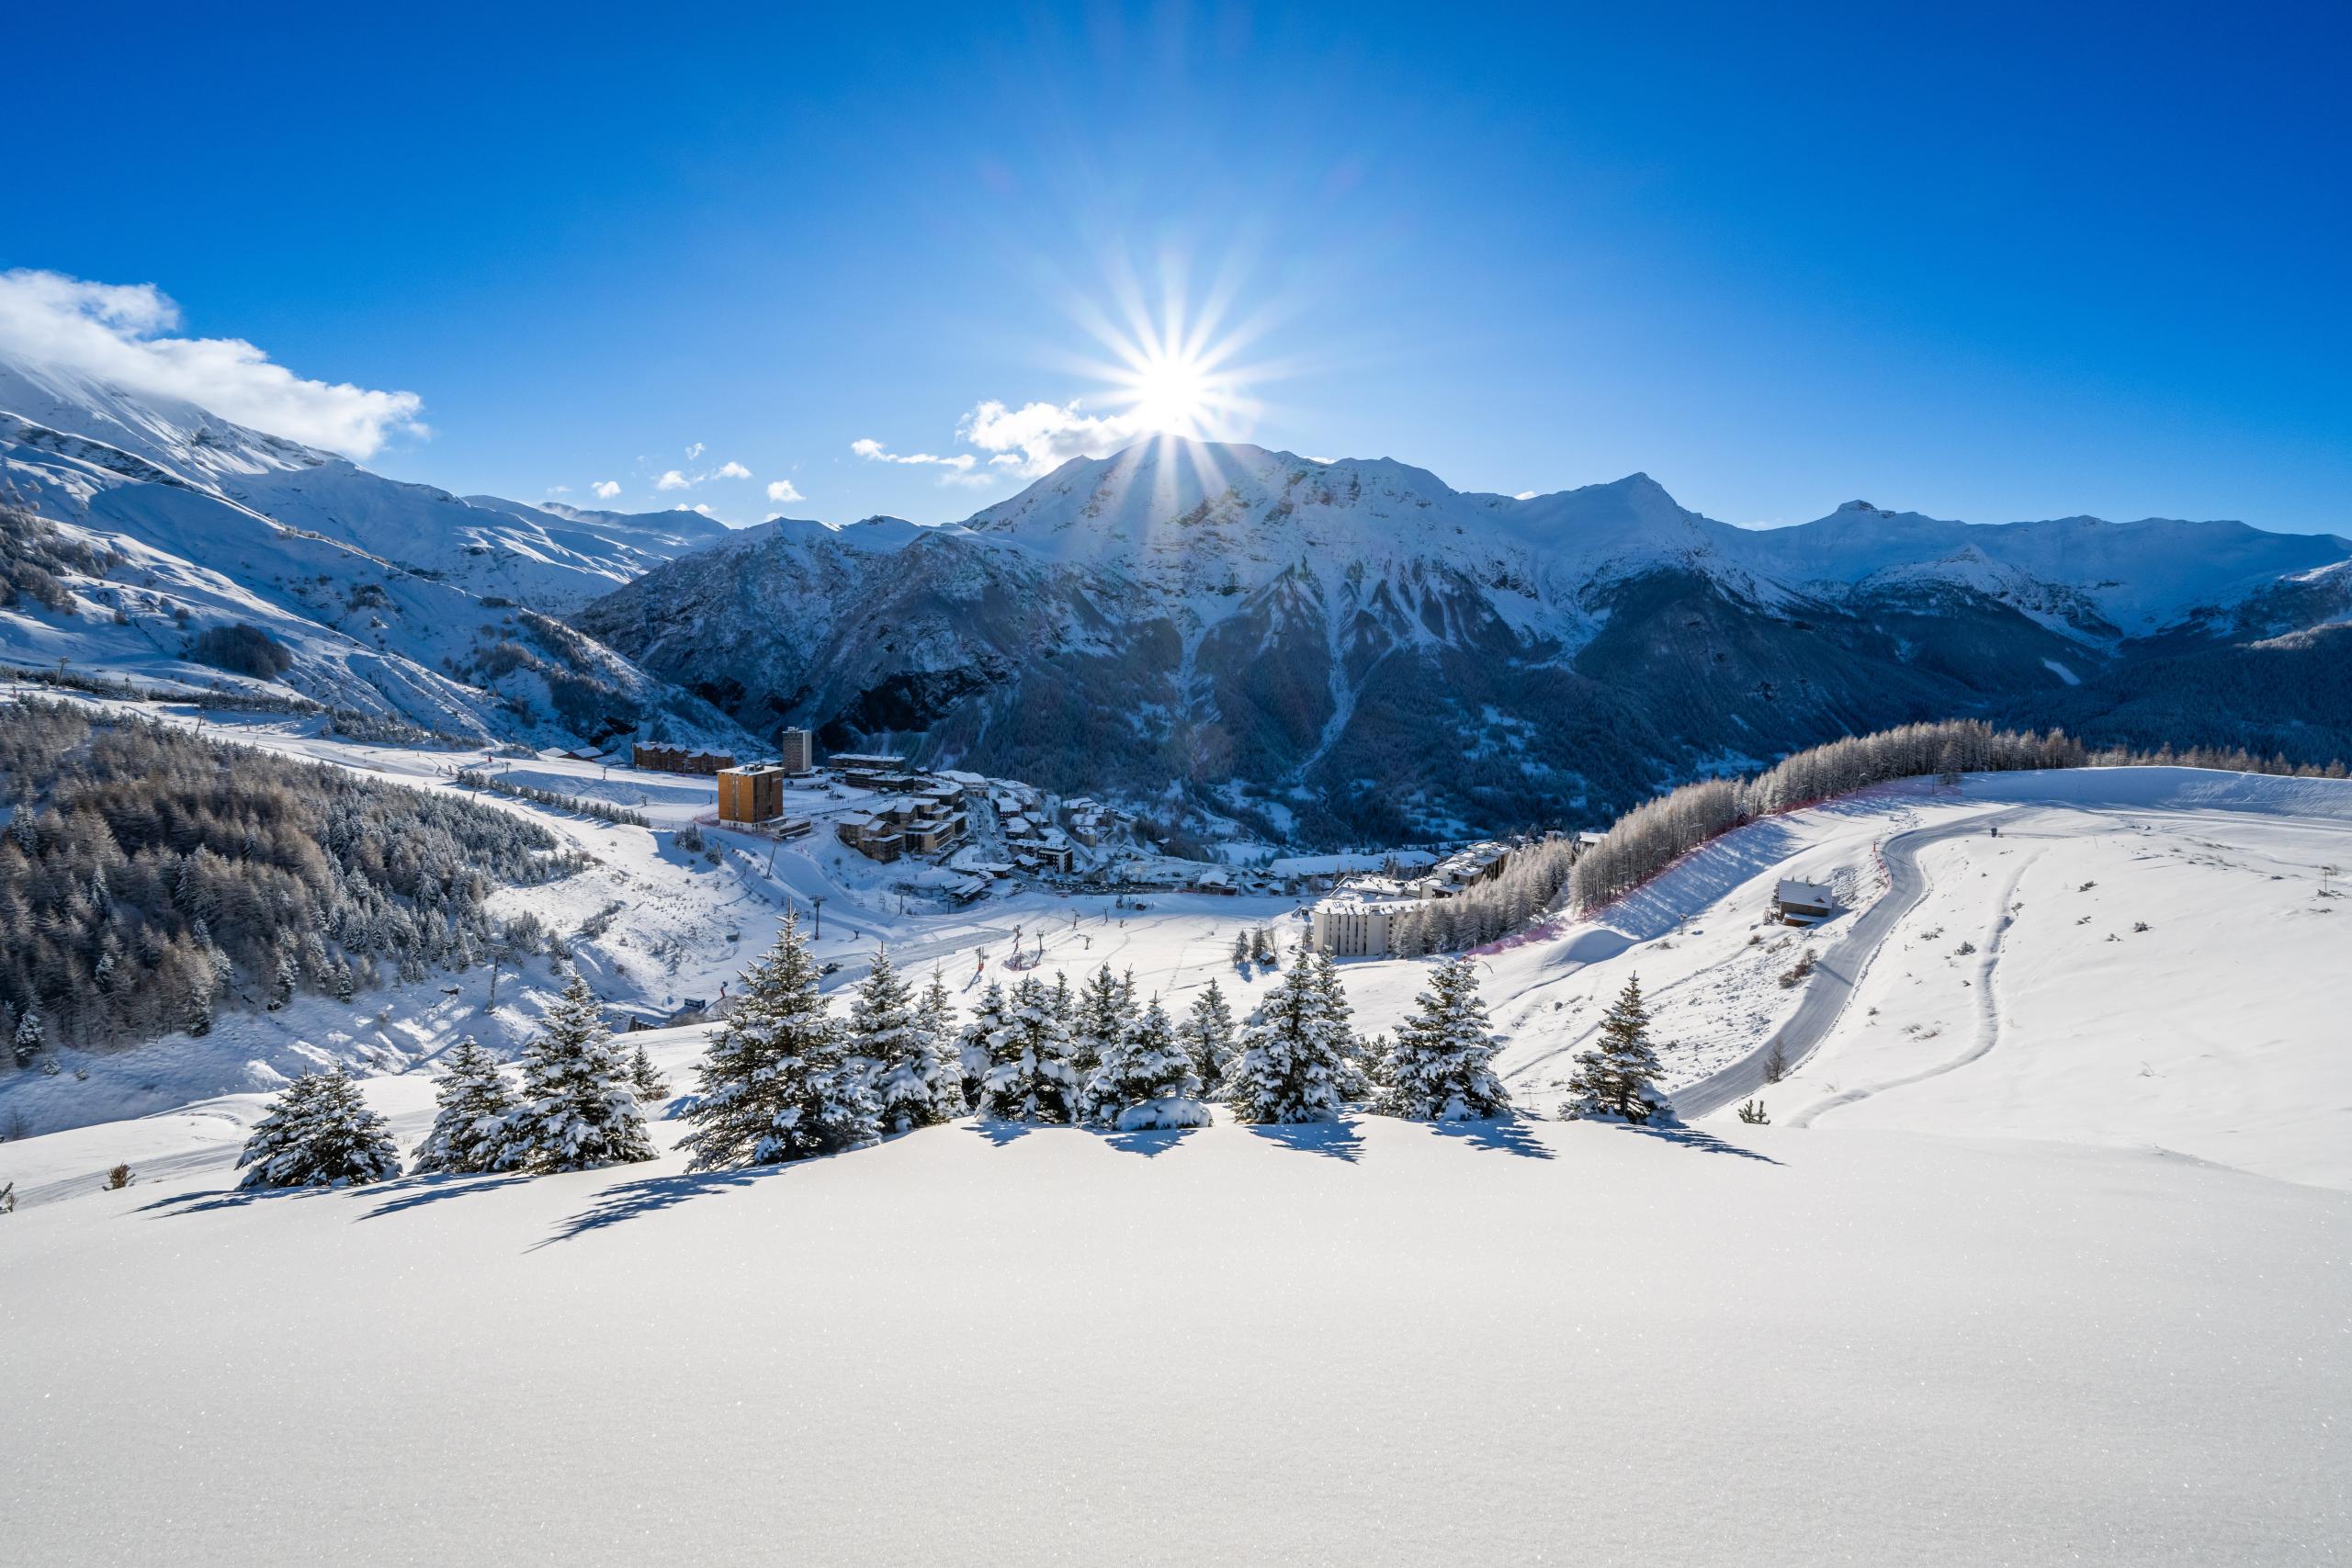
(2043, 1258)
(1371, 1343)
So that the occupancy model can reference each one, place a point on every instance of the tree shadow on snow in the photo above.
(1148, 1142)
(1508, 1134)
(999, 1131)
(419, 1190)
(1692, 1138)
(1334, 1140)
(234, 1198)
(634, 1200)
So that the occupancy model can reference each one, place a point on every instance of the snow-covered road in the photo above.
(1837, 970)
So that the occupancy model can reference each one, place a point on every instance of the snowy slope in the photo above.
(1378, 1344)
(390, 598)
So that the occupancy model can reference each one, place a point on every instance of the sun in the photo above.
(1171, 393)
(1170, 368)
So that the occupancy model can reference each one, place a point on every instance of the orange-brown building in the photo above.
(751, 795)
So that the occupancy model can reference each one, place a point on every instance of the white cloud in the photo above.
(874, 451)
(118, 334)
(730, 470)
(558, 489)
(1037, 438)
(693, 451)
(781, 490)
(1524, 495)
(673, 480)
(605, 490)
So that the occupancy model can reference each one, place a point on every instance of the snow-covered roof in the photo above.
(1792, 890)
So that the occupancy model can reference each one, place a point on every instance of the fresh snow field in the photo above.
(2042, 1260)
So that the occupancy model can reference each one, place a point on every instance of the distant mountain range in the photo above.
(1353, 649)
(1346, 650)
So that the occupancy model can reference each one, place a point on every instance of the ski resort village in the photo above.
(1133, 784)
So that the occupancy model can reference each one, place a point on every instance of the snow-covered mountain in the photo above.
(1355, 648)
(387, 598)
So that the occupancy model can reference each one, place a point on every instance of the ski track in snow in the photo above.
(1988, 1011)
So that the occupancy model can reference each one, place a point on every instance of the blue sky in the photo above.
(2005, 262)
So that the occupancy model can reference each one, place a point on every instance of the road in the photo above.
(1833, 976)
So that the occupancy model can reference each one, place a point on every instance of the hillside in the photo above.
(1354, 650)
(387, 599)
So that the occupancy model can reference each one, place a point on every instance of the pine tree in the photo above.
(469, 1132)
(1241, 950)
(1292, 1062)
(1030, 1077)
(935, 1017)
(1145, 1079)
(1207, 1035)
(319, 1133)
(1335, 1004)
(1099, 1021)
(778, 1083)
(645, 1078)
(31, 1033)
(1064, 1005)
(1616, 1076)
(981, 1041)
(1441, 1067)
(887, 1041)
(578, 1109)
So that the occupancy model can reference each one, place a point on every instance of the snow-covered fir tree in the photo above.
(935, 1017)
(981, 1041)
(1206, 1034)
(1064, 1004)
(1145, 1079)
(470, 1126)
(886, 1038)
(1099, 1020)
(1441, 1065)
(1292, 1064)
(578, 1107)
(31, 1034)
(1030, 1077)
(1241, 950)
(1357, 1081)
(778, 1083)
(645, 1078)
(319, 1133)
(1616, 1076)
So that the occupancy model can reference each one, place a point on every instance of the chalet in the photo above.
(751, 795)
(1796, 903)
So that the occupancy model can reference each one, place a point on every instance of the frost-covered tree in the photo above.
(470, 1126)
(1064, 1005)
(981, 1041)
(1241, 950)
(1616, 1076)
(778, 1083)
(1206, 1035)
(1441, 1065)
(1294, 1063)
(1100, 1019)
(578, 1109)
(319, 1133)
(935, 1017)
(1145, 1079)
(1030, 1077)
(887, 1040)
(645, 1078)
(31, 1034)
